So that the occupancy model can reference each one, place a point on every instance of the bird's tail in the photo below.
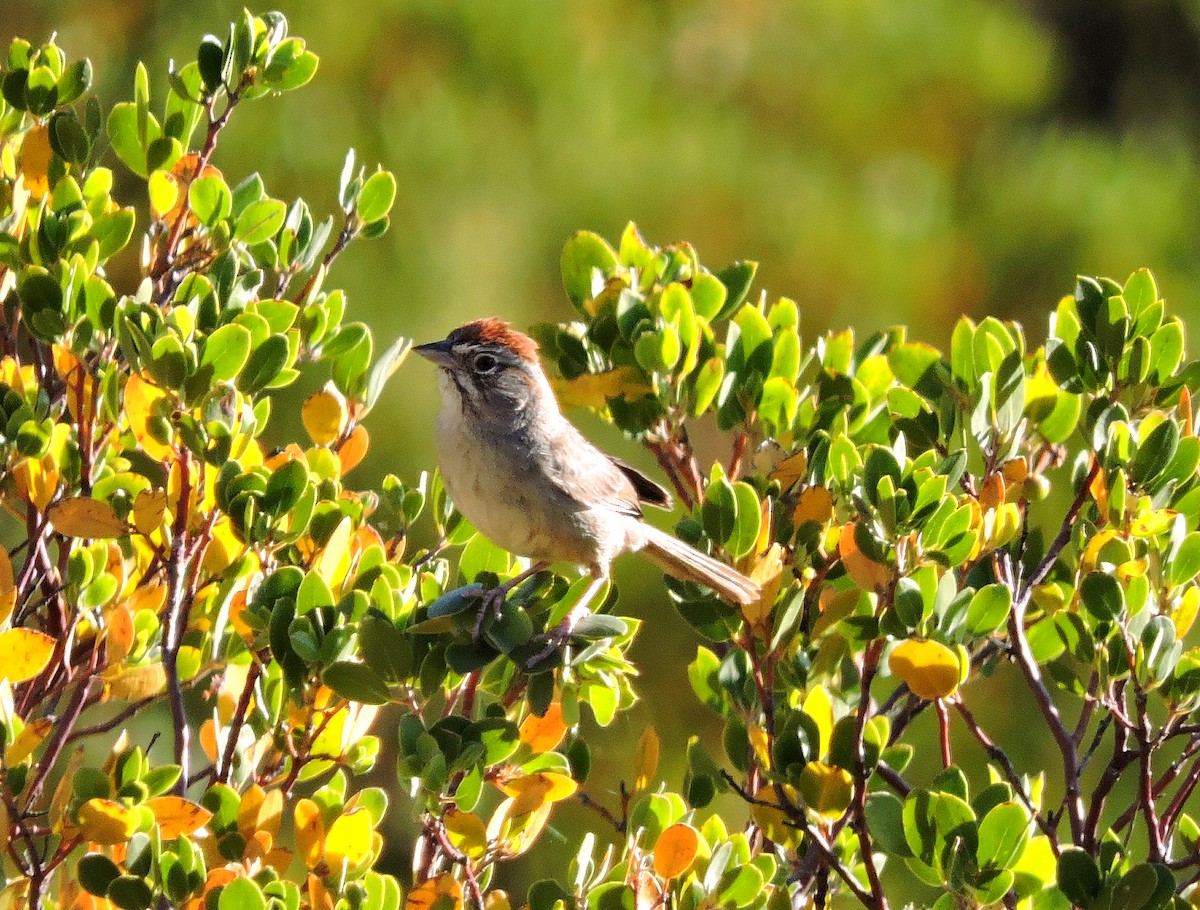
(682, 561)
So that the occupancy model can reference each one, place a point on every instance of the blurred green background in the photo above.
(884, 162)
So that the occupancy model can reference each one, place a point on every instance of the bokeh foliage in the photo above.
(896, 503)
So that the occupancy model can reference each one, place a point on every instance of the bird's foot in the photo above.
(491, 601)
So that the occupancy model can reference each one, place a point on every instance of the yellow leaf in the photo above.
(645, 759)
(8, 588)
(177, 816)
(819, 707)
(15, 895)
(352, 451)
(826, 789)
(324, 415)
(334, 559)
(532, 790)
(208, 739)
(675, 850)
(511, 833)
(466, 831)
(140, 400)
(24, 653)
(791, 470)
(442, 893)
(27, 740)
(1184, 615)
(63, 791)
(866, 573)
(164, 193)
(592, 390)
(770, 817)
(814, 504)
(496, 899)
(310, 832)
(349, 840)
(149, 510)
(223, 547)
(541, 734)
(136, 683)
(105, 822)
(37, 480)
(930, 670)
(767, 570)
(260, 810)
(1153, 523)
(35, 160)
(82, 516)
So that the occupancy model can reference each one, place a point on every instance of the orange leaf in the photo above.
(791, 470)
(103, 821)
(433, 893)
(866, 573)
(541, 734)
(24, 653)
(177, 816)
(82, 516)
(310, 832)
(352, 451)
(675, 850)
(8, 588)
(930, 669)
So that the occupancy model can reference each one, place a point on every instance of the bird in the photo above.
(532, 483)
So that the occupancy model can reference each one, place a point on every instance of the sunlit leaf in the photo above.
(928, 668)
(24, 653)
(542, 734)
(675, 850)
(105, 822)
(82, 516)
(177, 816)
(349, 839)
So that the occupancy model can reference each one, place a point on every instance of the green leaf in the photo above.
(211, 59)
(226, 350)
(1078, 877)
(241, 894)
(586, 257)
(1102, 595)
(885, 821)
(739, 886)
(260, 221)
(748, 517)
(1136, 888)
(1185, 564)
(96, 873)
(1002, 836)
(74, 81)
(285, 488)
(737, 279)
(264, 364)
(719, 512)
(356, 682)
(67, 137)
(376, 196)
(1154, 453)
(112, 231)
(124, 138)
(130, 892)
(988, 609)
(210, 199)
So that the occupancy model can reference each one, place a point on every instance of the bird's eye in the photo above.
(484, 363)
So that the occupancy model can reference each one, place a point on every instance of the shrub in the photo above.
(918, 521)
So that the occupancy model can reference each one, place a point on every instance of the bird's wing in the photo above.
(588, 476)
(647, 490)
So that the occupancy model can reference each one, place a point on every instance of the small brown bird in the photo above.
(529, 480)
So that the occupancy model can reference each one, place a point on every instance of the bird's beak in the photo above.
(437, 351)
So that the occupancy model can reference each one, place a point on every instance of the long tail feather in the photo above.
(682, 561)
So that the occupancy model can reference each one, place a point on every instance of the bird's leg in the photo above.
(493, 598)
(561, 634)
